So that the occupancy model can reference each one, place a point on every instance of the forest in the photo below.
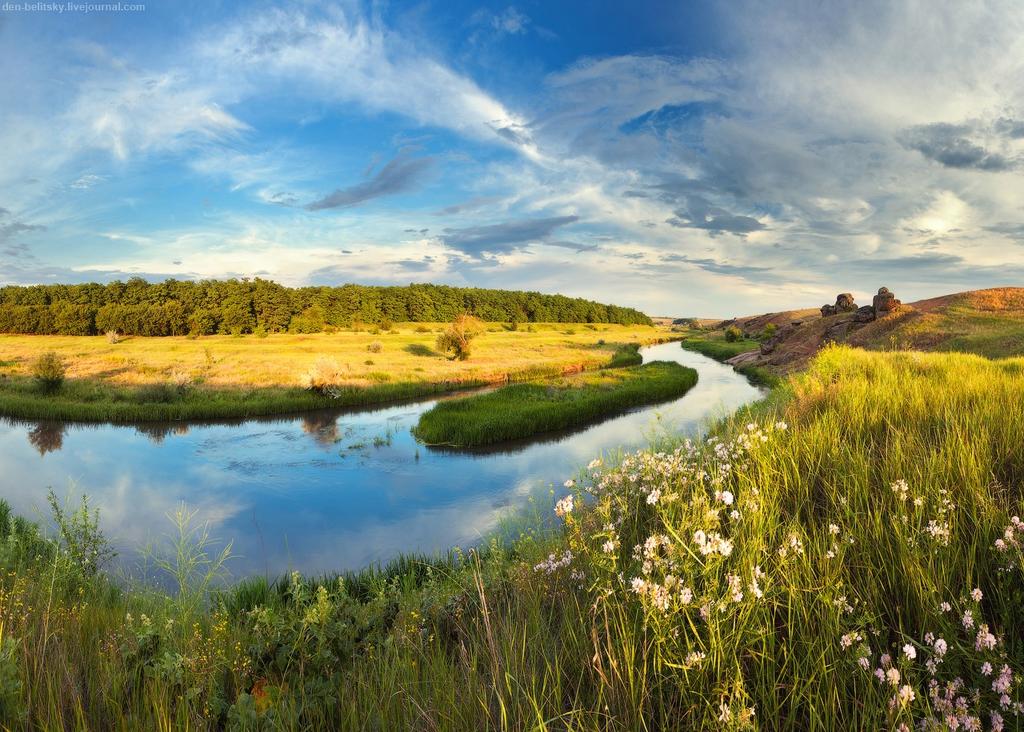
(185, 307)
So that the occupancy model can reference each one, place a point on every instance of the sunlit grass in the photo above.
(523, 410)
(223, 376)
(725, 584)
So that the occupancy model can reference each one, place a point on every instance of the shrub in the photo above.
(769, 331)
(48, 370)
(456, 338)
(733, 334)
(113, 336)
(422, 329)
(386, 324)
(375, 347)
(322, 376)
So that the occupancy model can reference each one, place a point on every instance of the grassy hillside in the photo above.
(987, 322)
(523, 410)
(816, 565)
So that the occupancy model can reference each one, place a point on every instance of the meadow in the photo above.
(139, 378)
(845, 554)
(523, 410)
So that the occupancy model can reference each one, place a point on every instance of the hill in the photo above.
(987, 322)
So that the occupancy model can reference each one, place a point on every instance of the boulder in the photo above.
(845, 303)
(884, 302)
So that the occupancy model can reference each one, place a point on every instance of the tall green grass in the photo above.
(523, 410)
(714, 345)
(867, 492)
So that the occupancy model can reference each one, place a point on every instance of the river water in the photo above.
(325, 492)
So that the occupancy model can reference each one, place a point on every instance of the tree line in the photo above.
(185, 307)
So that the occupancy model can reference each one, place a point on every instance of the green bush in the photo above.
(733, 334)
(48, 370)
(769, 331)
(456, 339)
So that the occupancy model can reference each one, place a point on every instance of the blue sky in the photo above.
(684, 158)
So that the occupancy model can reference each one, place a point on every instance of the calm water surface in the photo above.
(324, 492)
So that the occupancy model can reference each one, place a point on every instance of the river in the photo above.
(325, 492)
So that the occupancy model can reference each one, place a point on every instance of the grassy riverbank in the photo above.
(523, 410)
(156, 379)
(834, 550)
(714, 345)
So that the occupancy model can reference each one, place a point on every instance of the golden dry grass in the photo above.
(282, 360)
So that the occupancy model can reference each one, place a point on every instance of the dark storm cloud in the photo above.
(503, 238)
(951, 145)
(399, 175)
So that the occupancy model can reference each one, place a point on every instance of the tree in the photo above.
(456, 338)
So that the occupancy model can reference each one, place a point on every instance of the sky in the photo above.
(688, 159)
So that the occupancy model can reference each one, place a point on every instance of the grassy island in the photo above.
(523, 410)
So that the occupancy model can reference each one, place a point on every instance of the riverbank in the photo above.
(167, 379)
(524, 410)
(766, 579)
(715, 345)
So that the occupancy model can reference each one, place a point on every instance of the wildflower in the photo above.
(569, 483)
(906, 694)
(940, 647)
(781, 425)
(595, 463)
(863, 662)
(986, 669)
(984, 640)
(1002, 684)
(609, 546)
(997, 721)
(693, 658)
(849, 639)
(564, 506)
(968, 619)
(976, 594)
(833, 529)
(725, 497)
(909, 651)
(945, 607)
(653, 496)
(892, 675)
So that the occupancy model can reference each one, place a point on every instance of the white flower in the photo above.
(892, 675)
(909, 651)
(968, 619)
(609, 546)
(976, 594)
(564, 506)
(986, 669)
(940, 647)
(833, 529)
(906, 694)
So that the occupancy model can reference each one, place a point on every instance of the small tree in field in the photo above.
(456, 338)
(733, 334)
(48, 370)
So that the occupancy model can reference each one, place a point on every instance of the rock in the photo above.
(845, 303)
(864, 314)
(884, 302)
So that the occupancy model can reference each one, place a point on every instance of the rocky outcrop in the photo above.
(844, 304)
(864, 314)
(884, 303)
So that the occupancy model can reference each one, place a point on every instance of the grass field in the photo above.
(844, 555)
(177, 378)
(522, 410)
